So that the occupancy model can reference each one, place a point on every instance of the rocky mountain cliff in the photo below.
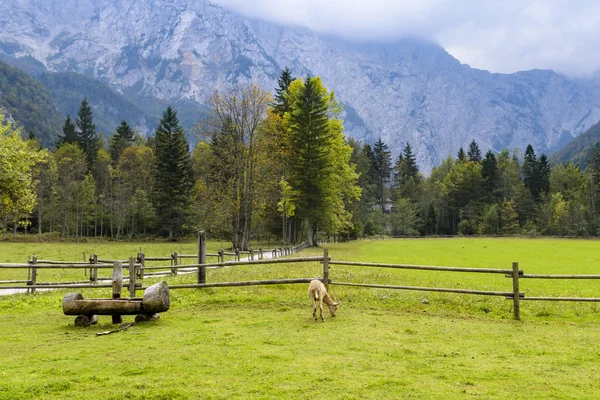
(179, 51)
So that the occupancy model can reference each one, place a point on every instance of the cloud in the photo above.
(500, 36)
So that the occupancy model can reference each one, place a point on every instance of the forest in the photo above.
(277, 166)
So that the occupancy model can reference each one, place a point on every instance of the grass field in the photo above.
(261, 342)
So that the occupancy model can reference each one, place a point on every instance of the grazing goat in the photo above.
(317, 291)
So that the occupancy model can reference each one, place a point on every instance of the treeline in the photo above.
(279, 167)
(492, 194)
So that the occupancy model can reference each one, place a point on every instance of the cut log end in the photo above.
(156, 298)
(69, 303)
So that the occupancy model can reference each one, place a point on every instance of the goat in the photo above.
(317, 291)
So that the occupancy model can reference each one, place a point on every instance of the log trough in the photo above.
(156, 300)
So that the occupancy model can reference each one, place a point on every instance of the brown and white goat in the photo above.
(317, 291)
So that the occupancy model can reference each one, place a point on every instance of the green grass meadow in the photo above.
(261, 341)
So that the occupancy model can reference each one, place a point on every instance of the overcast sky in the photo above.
(500, 36)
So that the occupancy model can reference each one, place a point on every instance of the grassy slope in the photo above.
(260, 342)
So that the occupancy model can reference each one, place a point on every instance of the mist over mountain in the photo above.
(159, 52)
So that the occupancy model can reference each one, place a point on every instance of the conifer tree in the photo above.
(474, 153)
(321, 177)
(173, 181)
(461, 156)
(123, 138)
(528, 168)
(69, 133)
(86, 134)
(543, 174)
(489, 172)
(406, 165)
(282, 104)
(382, 165)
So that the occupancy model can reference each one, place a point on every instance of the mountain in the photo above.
(28, 103)
(158, 52)
(579, 149)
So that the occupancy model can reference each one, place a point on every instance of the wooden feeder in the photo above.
(156, 299)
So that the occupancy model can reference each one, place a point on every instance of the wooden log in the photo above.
(101, 306)
(156, 298)
(145, 317)
(117, 281)
(86, 320)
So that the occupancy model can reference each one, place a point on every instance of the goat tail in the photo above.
(316, 295)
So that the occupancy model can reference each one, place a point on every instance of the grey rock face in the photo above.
(405, 91)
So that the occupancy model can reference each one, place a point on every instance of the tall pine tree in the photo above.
(382, 166)
(86, 133)
(123, 138)
(474, 152)
(489, 172)
(406, 166)
(69, 134)
(461, 156)
(321, 177)
(531, 172)
(173, 174)
(282, 103)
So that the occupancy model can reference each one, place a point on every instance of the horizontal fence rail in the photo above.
(422, 267)
(427, 289)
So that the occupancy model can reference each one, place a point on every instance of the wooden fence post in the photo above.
(326, 269)
(251, 254)
(84, 260)
(33, 273)
(94, 272)
(131, 277)
(201, 256)
(142, 261)
(516, 299)
(221, 255)
(117, 282)
(175, 263)
(29, 272)
(260, 253)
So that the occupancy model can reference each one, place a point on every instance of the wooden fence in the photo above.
(137, 270)
(137, 267)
